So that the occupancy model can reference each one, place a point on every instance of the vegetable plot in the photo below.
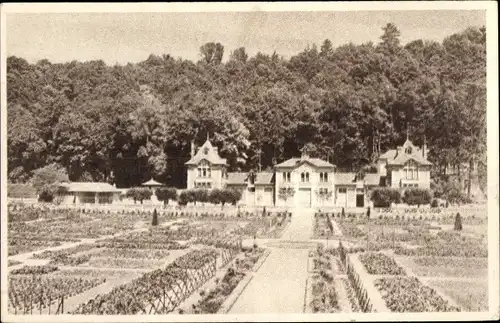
(157, 292)
(407, 294)
(44, 294)
(380, 264)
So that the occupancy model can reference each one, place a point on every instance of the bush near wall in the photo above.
(384, 197)
(417, 196)
(139, 194)
(214, 196)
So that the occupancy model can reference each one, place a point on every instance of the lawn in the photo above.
(471, 295)
(446, 266)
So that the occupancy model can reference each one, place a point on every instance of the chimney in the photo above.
(193, 149)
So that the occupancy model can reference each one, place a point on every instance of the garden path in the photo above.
(279, 284)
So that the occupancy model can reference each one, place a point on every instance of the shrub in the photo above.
(215, 196)
(200, 195)
(183, 199)
(417, 196)
(46, 194)
(434, 203)
(166, 194)
(458, 222)
(383, 197)
(139, 194)
(155, 218)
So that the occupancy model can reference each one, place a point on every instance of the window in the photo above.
(323, 177)
(304, 177)
(286, 177)
(411, 170)
(342, 190)
(307, 177)
(408, 150)
(205, 151)
(268, 189)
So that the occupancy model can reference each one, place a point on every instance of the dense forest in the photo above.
(127, 123)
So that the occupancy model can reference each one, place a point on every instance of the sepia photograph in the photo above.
(249, 162)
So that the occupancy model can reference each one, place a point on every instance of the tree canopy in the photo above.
(127, 123)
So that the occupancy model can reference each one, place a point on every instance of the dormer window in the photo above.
(205, 151)
(408, 150)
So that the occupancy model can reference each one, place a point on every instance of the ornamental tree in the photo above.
(166, 194)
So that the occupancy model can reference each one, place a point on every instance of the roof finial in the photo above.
(208, 136)
(407, 131)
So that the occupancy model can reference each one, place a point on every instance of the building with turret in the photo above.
(310, 182)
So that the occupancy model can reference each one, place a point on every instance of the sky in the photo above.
(119, 38)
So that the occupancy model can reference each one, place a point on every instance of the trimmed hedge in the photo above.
(383, 197)
(417, 196)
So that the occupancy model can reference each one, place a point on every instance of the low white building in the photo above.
(89, 193)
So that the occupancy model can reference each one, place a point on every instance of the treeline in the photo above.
(126, 123)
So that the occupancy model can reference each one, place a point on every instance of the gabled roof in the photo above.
(400, 157)
(240, 178)
(237, 178)
(345, 178)
(264, 178)
(212, 156)
(370, 179)
(295, 162)
(152, 182)
(98, 187)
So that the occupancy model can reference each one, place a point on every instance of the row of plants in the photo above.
(324, 296)
(50, 254)
(19, 246)
(131, 263)
(380, 264)
(408, 294)
(36, 292)
(350, 229)
(149, 292)
(34, 270)
(215, 196)
(212, 300)
(131, 253)
(13, 263)
(384, 197)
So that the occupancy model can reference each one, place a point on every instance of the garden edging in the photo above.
(229, 302)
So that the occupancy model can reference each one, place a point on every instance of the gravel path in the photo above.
(279, 284)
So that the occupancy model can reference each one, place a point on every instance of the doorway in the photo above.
(360, 200)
